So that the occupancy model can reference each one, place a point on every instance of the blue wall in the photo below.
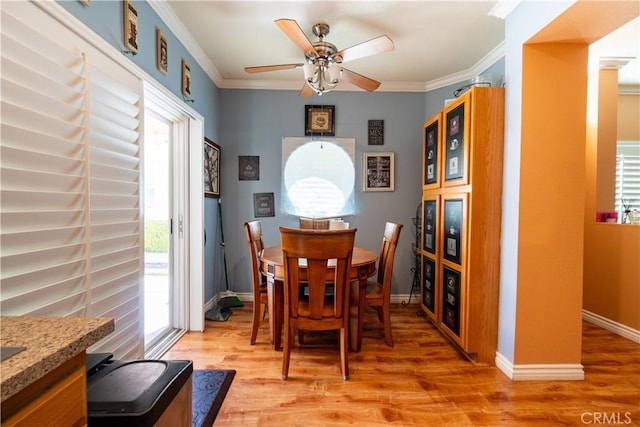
(253, 122)
(106, 19)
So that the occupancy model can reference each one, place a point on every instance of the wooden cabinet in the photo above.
(461, 217)
(57, 399)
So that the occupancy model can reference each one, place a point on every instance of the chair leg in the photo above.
(386, 322)
(263, 311)
(255, 322)
(344, 353)
(286, 352)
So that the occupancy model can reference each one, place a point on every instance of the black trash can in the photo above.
(132, 393)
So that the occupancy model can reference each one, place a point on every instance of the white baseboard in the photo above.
(540, 372)
(615, 327)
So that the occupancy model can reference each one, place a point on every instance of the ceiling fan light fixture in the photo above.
(323, 76)
(323, 70)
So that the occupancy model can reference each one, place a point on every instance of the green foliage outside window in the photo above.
(156, 236)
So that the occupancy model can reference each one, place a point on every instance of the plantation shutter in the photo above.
(70, 179)
(627, 182)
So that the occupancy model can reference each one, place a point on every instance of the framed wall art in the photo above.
(249, 168)
(378, 171)
(451, 280)
(431, 153)
(428, 283)
(211, 169)
(186, 79)
(376, 132)
(453, 217)
(162, 58)
(319, 120)
(455, 145)
(263, 205)
(430, 227)
(130, 26)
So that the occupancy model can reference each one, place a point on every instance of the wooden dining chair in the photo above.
(316, 310)
(314, 223)
(253, 233)
(379, 291)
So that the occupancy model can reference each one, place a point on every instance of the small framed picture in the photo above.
(186, 78)
(378, 172)
(376, 132)
(455, 145)
(211, 169)
(319, 120)
(431, 153)
(430, 224)
(263, 205)
(130, 26)
(451, 285)
(453, 216)
(428, 283)
(249, 168)
(162, 59)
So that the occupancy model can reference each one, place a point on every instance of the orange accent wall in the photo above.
(553, 239)
(552, 183)
(611, 251)
(607, 123)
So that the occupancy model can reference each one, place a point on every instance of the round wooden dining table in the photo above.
(363, 266)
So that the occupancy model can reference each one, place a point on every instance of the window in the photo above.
(318, 177)
(627, 182)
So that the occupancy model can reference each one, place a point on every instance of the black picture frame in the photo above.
(431, 153)
(263, 205)
(430, 227)
(212, 163)
(376, 132)
(454, 166)
(429, 283)
(451, 280)
(452, 235)
(319, 120)
(249, 168)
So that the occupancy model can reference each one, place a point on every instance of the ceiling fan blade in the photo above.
(359, 80)
(295, 33)
(371, 47)
(306, 91)
(265, 68)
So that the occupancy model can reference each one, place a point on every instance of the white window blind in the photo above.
(627, 182)
(318, 177)
(69, 168)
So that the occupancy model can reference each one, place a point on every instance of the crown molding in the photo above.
(503, 8)
(166, 13)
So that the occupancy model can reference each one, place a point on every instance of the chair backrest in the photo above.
(317, 247)
(253, 233)
(387, 254)
(314, 223)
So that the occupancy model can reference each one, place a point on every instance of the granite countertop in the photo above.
(49, 342)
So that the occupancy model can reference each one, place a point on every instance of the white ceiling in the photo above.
(437, 43)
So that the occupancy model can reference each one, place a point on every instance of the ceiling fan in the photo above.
(322, 69)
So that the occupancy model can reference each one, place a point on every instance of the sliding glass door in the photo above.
(165, 292)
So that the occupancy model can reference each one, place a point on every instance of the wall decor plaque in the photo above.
(376, 132)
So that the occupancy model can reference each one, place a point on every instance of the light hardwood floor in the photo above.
(422, 381)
